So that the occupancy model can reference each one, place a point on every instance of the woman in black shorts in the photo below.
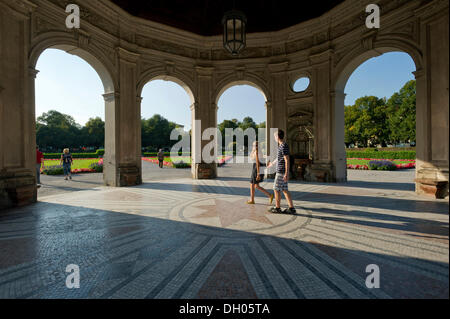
(256, 176)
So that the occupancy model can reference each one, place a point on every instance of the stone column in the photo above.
(339, 157)
(123, 126)
(323, 168)
(278, 114)
(139, 136)
(268, 107)
(432, 104)
(110, 159)
(17, 122)
(204, 115)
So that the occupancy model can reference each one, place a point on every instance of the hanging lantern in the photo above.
(234, 24)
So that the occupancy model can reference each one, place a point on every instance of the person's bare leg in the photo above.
(277, 199)
(263, 190)
(287, 195)
(252, 192)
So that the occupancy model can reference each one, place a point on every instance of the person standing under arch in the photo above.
(39, 161)
(66, 161)
(161, 158)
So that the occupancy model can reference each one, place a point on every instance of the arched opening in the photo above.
(166, 119)
(375, 108)
(71, 105)
(241, 119)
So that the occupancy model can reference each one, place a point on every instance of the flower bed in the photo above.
(380, 164)
(85, 165)
(184, 162)
(224, 159)
(154, 160)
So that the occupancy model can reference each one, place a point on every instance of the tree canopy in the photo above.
(373, 121)
(370, 121)
(55, 130)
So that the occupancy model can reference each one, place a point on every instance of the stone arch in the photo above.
(93, 56)
(355, 58)
(178, 78)
(161, 74)
(249, 79)
(343, 71)
(104, 68)
(253, 81)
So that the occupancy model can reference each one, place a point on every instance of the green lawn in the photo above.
(78, 163)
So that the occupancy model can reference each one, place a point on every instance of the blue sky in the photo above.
(69, 85)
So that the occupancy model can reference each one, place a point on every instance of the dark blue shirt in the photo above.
(67, 158)
(283, 149)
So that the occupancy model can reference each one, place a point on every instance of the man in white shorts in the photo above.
(282, 176)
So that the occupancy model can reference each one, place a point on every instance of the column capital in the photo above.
(194, 106)
(268, 105)
(139, 99)
(32, 72)
(338, 94)
(206, 71)
(419, 73)
(111, 96)
(127, 56)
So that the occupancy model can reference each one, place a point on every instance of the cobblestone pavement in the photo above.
(184, 238)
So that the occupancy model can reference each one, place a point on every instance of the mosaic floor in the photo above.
(198, 239)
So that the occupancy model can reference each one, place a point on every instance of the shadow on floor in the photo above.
(407, 205)
(130, 256)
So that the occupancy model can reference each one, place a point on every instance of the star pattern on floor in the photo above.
(231, 212)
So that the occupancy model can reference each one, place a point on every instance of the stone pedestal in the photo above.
(430, 187)
(432, 181)
(205, 171)
(322, 173)
(129, 175)
(299, 168)
(17, 188)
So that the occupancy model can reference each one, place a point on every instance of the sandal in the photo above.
(250, 202)
(275, 210)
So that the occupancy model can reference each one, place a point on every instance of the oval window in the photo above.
(301, 84)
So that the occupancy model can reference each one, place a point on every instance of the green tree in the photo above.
(246, 123)
(156, 132)
(401, 109)
(262, 125)
(352, 127)
(57, 130)
(93, 132)
(370, 128)
(56, 119)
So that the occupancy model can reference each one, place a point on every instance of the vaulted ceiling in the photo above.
(204, 17)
